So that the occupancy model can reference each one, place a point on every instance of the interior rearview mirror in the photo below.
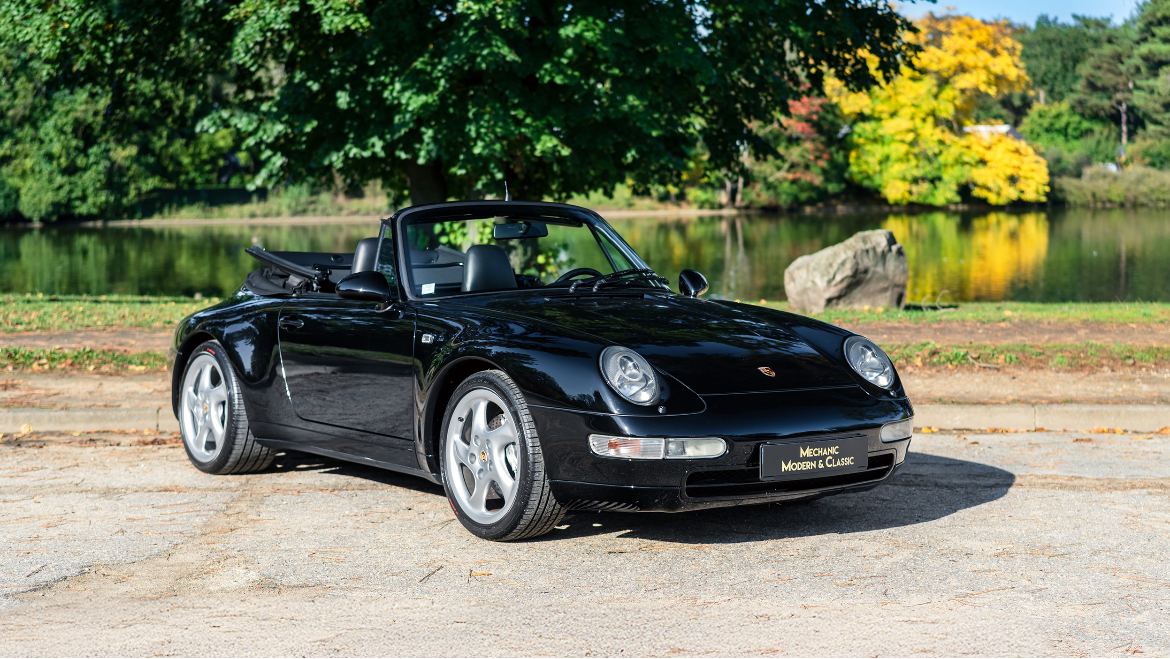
(691, 283)
(519, 230)
(368, 286)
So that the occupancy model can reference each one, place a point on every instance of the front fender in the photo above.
(245, 326)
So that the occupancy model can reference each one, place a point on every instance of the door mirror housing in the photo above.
(368, 286)
(691, 283)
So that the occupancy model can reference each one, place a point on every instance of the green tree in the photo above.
(1151, 94)
(99, 100)
(1107, 81)
(553, 97)
(1052, 52)
(812, 156)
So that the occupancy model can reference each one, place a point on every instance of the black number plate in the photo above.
(788, 461)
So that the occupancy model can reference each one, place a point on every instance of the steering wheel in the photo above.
(575, 272)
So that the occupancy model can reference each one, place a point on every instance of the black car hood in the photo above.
(711, 348)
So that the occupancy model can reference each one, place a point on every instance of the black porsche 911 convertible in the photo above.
(523, 356)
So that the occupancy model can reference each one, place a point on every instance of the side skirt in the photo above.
(348, 457)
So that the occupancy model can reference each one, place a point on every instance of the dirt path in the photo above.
(1035, 544)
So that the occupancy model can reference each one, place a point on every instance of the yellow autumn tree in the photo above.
(909, 141)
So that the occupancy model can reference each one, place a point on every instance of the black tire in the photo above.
(238, 452)
(533, 511)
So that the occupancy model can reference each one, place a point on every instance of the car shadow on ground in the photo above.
(926, 488)
(295, 461)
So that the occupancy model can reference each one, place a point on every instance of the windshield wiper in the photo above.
(626, 276)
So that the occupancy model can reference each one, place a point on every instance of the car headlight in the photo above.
(869, 361)
(630, 375)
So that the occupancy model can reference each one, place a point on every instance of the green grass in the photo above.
(1114, 313)
(1081, 356)
(82, 359)
(63, 313)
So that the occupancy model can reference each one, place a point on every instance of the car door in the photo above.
(348, 365)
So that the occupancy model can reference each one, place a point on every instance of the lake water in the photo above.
(1077, 255)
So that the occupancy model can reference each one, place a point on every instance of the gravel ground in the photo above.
(1005, 544)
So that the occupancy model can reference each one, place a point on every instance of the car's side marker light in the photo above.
(892, 432)
(656, 448)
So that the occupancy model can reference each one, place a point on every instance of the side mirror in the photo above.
(691, 283)
(368, 286)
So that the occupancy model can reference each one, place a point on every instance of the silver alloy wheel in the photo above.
(203, 408)
(482, 456)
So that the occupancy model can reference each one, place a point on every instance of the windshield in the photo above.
(482, 254)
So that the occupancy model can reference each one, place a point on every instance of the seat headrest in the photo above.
(487, 269)
(365, 257)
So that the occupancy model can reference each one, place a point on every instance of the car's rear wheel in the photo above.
(492, 464)
(212, 419)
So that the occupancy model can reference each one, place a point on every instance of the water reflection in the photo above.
(1040, 256)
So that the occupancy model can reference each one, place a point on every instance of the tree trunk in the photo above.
(1124, 132)
(428, 185)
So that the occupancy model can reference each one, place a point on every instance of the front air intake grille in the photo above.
(746, 482)
(608, 506)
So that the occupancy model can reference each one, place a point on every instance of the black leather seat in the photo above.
(365, 257)
(487, 269)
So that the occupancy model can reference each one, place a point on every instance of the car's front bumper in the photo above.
(582, 480)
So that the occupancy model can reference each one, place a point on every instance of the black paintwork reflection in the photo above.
(348, 365)
(699, 342)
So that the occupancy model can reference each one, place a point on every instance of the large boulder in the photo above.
(869, 269)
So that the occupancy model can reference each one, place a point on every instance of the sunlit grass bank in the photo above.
(63, 313)
(1069, 356)
(1000, 312)
(46, 360)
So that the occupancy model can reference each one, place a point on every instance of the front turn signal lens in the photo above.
(892, 432)
(699, 447)
(632, 448)
(656, 448)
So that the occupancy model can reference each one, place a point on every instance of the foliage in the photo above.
(1069, 141)
(100, 101)
(1052, 52)
(811, 159)
(556, 98)
(1057, 125)
(1133, 186)
(908, 138)
(1107, 77)
(1151, 94)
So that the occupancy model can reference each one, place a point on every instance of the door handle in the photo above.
(291, 323)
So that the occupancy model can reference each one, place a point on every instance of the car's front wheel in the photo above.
(492, 464)
(212, 419)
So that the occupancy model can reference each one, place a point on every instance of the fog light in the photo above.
(699, 447)
(656, 448)
(892, 432)
(633, 448)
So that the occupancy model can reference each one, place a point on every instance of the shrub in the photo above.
(1097, 186)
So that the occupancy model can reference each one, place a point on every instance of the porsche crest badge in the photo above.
(767, 371)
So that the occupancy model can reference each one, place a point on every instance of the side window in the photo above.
(620, 261)
(387, 260)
